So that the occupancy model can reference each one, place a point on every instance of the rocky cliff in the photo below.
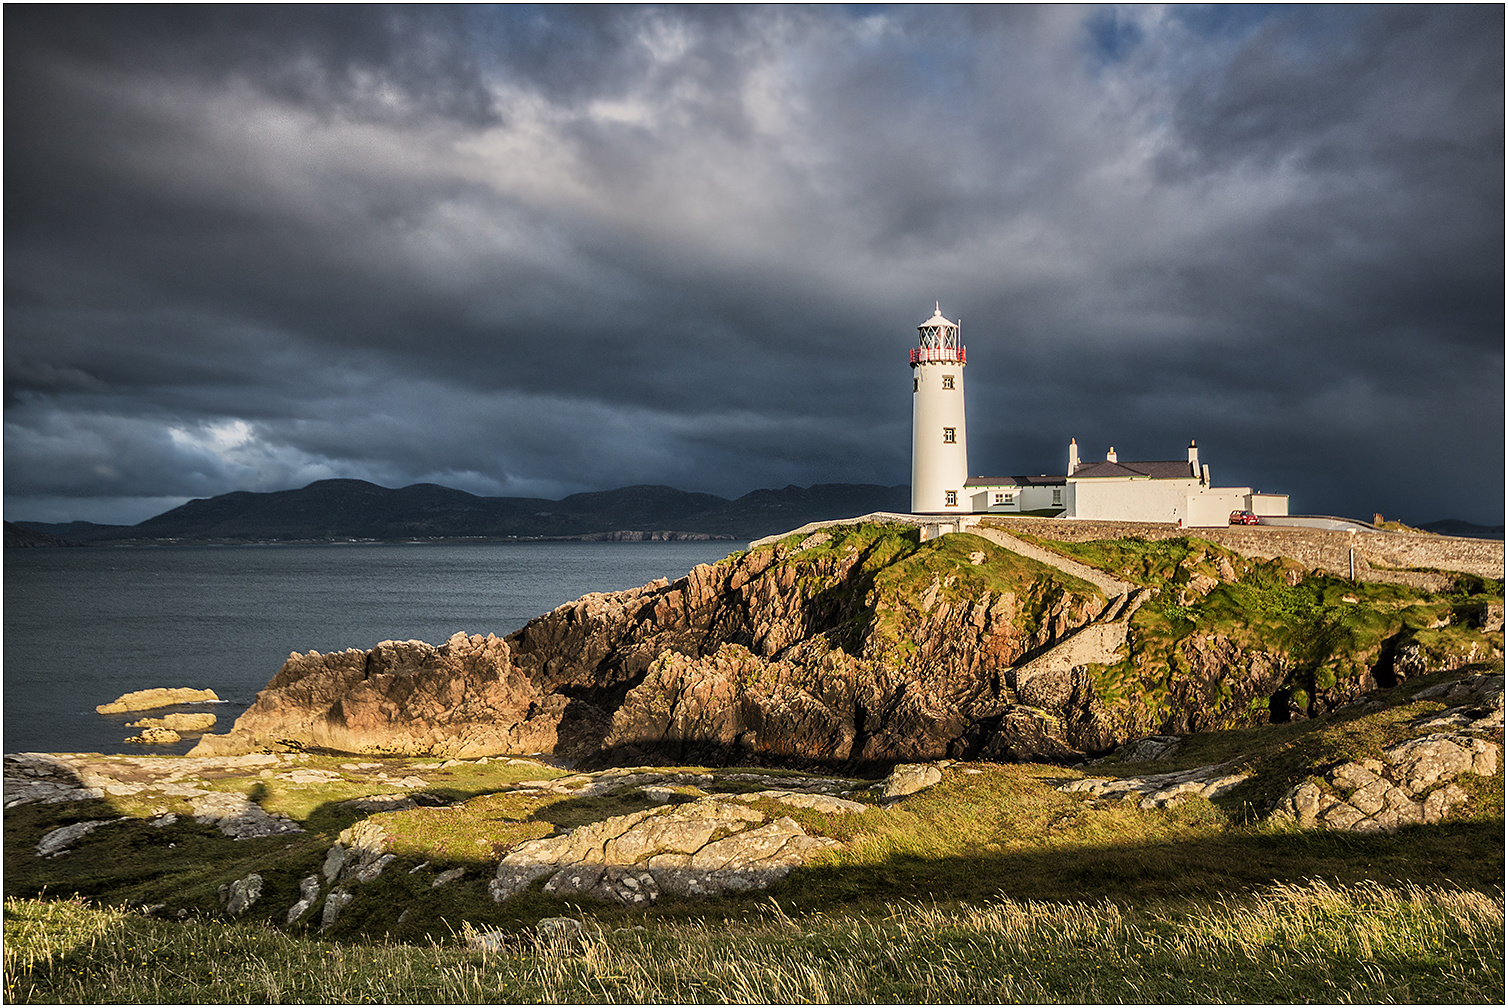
(860, 645)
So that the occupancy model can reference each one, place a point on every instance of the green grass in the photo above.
(1285, 943)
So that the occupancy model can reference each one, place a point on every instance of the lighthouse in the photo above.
(939, 448)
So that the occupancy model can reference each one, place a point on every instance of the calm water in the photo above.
(84, 625)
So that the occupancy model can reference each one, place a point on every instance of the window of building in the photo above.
(947, 381)
(1057, 498)
(916, 383)
(950, 435)
(952, 495)
(1000, 498)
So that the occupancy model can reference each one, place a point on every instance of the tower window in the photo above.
(947, 381)
(916, 383)
(950, 435)
(952, 497)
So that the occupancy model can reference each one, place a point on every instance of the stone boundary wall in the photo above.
(1378, 554)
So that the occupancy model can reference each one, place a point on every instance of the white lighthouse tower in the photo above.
(939, 448)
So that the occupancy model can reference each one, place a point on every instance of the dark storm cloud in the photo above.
(534, 250)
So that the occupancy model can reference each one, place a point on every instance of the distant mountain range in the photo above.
(355, 509)
(338, 509)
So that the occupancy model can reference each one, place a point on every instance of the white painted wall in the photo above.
(1211, 507)
(937, 466)
(1275, 505)
(1149, 500)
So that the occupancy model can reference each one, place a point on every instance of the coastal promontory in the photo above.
(860, 644)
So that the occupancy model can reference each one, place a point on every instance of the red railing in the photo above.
(921, 355)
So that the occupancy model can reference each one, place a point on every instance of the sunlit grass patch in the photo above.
(1286, 943)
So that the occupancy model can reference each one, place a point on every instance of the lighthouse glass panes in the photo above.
(939, 465)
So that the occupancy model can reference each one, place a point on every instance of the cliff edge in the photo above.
(859, 644)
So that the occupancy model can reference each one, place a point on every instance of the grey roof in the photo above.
(994, 481)
(1178, 469)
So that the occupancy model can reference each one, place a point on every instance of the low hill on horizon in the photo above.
(357, 509)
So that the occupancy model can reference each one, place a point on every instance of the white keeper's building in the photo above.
(1177, 491)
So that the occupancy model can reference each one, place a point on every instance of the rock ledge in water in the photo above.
(147, 699)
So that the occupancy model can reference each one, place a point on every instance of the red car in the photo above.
(1244, 518)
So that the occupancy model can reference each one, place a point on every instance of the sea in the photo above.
(84, 625)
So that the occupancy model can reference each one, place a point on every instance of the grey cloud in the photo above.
(565, 249)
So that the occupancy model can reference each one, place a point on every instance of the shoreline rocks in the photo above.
(149, 699)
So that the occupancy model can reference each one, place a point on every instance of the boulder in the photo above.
(238, 896)
(488, 941)
(908, 779)
(308, 892)
(559, 934)
(159, 697)
(155, 736)
(337, 901)
(55, 843)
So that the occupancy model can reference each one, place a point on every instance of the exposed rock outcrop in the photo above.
(177, 722)
(158, 697)
(691, 849)
(1414, 782)
(859, 645)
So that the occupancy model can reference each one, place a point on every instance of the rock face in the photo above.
(829, 654)
(853, 646)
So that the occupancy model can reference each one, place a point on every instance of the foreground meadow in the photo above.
(1289, 943)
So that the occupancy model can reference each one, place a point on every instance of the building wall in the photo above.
(1150, 500)
(938, 466)
(1275, 505)
(1211, 507)
(1024, 498)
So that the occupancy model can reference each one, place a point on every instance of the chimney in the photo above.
(1073, 455)
(1193, 457)
(1206, 476)
(1110, 455)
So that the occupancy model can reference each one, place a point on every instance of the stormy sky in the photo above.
(532, 250)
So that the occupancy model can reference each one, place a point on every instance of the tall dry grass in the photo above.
(1315, 941)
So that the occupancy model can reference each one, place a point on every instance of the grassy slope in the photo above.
(991, 886)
